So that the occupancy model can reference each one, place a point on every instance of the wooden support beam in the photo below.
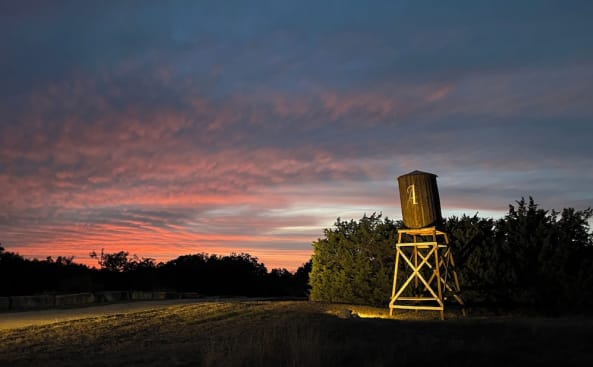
(426, 260)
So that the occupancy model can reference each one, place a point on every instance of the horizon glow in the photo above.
(168, 129)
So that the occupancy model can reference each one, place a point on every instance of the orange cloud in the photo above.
(162, 244)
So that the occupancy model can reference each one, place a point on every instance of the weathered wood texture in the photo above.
(420, 202)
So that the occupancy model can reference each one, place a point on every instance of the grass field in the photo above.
(295, 333)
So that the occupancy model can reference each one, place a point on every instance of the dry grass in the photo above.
(265, 333)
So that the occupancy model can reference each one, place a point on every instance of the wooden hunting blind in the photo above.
(420, 202)
(424, 267)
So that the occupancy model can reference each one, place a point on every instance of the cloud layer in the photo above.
(167, 129)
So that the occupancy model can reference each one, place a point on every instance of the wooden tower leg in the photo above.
(456, 281)
(394, 282)
(438, 276)
(415, 251)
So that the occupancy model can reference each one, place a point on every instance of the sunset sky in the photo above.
(166, 128)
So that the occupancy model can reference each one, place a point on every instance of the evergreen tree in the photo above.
(354, 262)
(532, 257)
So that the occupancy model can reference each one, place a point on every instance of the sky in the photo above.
(167, 128)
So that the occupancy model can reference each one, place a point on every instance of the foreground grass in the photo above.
(264, 333)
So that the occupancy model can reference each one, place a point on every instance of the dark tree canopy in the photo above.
(530, 258)
(232, 275)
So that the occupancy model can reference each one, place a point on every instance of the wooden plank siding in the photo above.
(420, 202)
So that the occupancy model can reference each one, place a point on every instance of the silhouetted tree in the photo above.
(301, 279)
(279, 283)
(235, 274)
(531, 257)
(13, 273)
(479, 261)
(24, 277)
(116, 262)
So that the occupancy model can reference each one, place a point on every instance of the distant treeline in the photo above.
(531, 258)
(209, 275)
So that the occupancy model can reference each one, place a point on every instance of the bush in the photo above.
(530, 258)
(354, 262)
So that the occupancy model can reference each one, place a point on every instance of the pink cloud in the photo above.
(81, 152)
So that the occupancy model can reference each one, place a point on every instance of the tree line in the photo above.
(209, 275)
(531, 258)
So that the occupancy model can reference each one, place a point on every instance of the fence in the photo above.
(45, 301)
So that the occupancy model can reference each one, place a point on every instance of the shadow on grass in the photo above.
(325, 340)
(265, 333)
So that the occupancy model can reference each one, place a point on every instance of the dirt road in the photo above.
(13, 320)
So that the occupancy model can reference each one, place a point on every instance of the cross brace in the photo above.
(424, 266)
